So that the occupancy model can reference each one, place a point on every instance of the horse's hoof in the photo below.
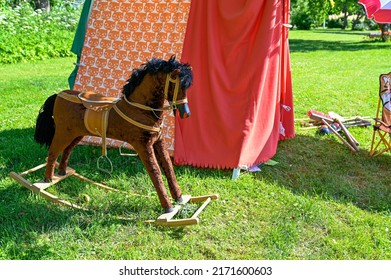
(47, 180)
(62, 172)
(168, 210)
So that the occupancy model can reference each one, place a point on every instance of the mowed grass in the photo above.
(320, 201)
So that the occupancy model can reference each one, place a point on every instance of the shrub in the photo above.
(31, 35)
(301, 20)
(371, 25)
(358, 25)
(335, 23)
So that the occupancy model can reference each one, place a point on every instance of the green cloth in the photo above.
(78, 41)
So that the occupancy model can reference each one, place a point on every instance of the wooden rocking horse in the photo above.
(135, 118)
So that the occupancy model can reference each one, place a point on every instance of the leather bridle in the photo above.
(173, 103)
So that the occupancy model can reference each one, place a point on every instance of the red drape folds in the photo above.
(241, 98)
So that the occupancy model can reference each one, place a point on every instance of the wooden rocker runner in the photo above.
(41, 186)
(168, 219)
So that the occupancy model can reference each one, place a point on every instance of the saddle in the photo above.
(98, 107)
(97, 112)
(96, 101)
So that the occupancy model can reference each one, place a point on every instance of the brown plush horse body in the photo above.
(136, 119)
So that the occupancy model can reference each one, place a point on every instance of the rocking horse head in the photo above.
(171, 80)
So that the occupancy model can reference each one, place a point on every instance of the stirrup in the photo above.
(103, 169)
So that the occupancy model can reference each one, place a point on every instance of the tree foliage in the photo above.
(35, 4)
(348, 8)
(313, 11)
(31, 34)
(317, 12)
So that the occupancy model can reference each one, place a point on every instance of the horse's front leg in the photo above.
(164, 160)
(148, 158)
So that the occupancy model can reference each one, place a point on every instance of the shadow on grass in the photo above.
(30, 215)
(299, 45)
(26, 217)
(341, 32)
(325, 168)
(319, 167)
(23, 218)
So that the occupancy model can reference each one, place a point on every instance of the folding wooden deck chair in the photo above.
(381, 138)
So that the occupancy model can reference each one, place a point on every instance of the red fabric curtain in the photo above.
(241, 99)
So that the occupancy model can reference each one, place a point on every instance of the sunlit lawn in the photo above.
(321, 201)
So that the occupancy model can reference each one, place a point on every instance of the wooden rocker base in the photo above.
(167, 219)
(41, 186)
(163, 220)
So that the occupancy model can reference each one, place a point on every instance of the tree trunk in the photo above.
(385, 35)
(345, 17)
(43, 5)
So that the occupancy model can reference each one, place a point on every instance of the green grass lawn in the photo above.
(320, 202)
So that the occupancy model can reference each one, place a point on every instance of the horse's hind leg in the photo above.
(66, 154)
(59, 143)
(164, 160)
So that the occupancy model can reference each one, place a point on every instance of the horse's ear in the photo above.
(175, 73)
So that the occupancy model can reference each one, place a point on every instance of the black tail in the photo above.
(44, 128)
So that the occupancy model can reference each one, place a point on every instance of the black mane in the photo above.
(154, 66)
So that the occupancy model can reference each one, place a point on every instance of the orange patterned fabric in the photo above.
(123, 34)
